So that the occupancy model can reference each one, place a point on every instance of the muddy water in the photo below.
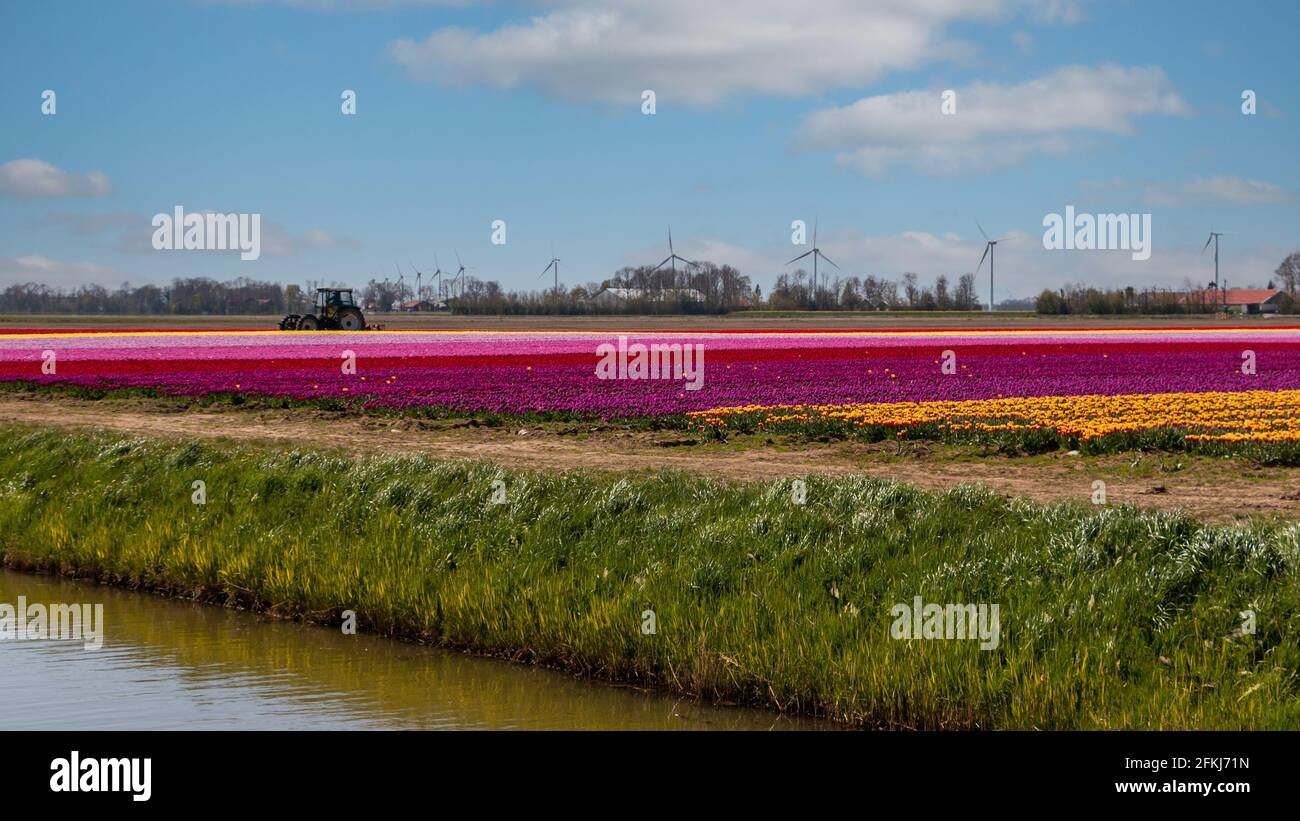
(168, 664)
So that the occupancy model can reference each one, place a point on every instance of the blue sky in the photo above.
(766, 112)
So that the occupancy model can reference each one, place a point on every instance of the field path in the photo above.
(1210, 489)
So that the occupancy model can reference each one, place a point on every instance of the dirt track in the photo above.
(1211, 489)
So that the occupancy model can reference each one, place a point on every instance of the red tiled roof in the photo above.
(1233, 296)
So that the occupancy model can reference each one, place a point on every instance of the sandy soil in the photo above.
(1211, 489)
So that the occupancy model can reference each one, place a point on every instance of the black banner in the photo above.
(135, 772)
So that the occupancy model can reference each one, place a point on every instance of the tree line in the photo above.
(1192, 298)
(184, 296)
(702, 287)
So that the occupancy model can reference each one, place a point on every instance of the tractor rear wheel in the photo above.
(309, 323)
(350, 319)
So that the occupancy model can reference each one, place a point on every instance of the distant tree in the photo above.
(942, 300)
(965, 298)
(1288, 273)
(1049, 302)
(910, 291)
(295, 301)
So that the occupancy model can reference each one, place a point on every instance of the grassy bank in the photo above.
(1109, 617)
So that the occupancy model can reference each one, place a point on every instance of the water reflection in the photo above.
(172, 665)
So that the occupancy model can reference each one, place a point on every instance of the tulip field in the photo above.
(1206, 384)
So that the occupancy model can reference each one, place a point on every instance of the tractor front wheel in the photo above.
(309, 323)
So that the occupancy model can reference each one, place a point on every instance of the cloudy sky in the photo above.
(766, 112)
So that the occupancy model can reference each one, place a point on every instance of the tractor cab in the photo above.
(329, 301)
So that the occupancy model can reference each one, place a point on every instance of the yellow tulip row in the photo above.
(1235, 416)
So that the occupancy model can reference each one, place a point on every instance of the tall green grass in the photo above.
(1110, 617)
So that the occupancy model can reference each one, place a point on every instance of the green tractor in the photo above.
(335, 311)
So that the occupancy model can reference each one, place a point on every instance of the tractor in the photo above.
(335, 310)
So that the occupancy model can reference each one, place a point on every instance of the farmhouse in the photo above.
(1239, 300)
(412, 305)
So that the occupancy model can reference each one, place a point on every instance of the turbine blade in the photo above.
(796, 259)
(828, 259)
(987, 246)
(1207, 242)
(981, 227)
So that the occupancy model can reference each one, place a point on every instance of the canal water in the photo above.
(168, 664)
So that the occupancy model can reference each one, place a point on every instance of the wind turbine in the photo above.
(555, 263)
(460, 274)
(672, 258)
(989, 245)
(419, 278)
(815, 253)
(438, 272)
(1214, 237)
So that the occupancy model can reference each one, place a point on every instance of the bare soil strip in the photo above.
(1212, 489)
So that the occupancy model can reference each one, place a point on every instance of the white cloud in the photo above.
(1220, 190)
(135, 234)
(316, 238)
(1024, 267)
(93, 224)
(32, 179)
(1059, 11)
(699, 53)
(994, 125)
(711, 250)
(277, 241)
(56, 274)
